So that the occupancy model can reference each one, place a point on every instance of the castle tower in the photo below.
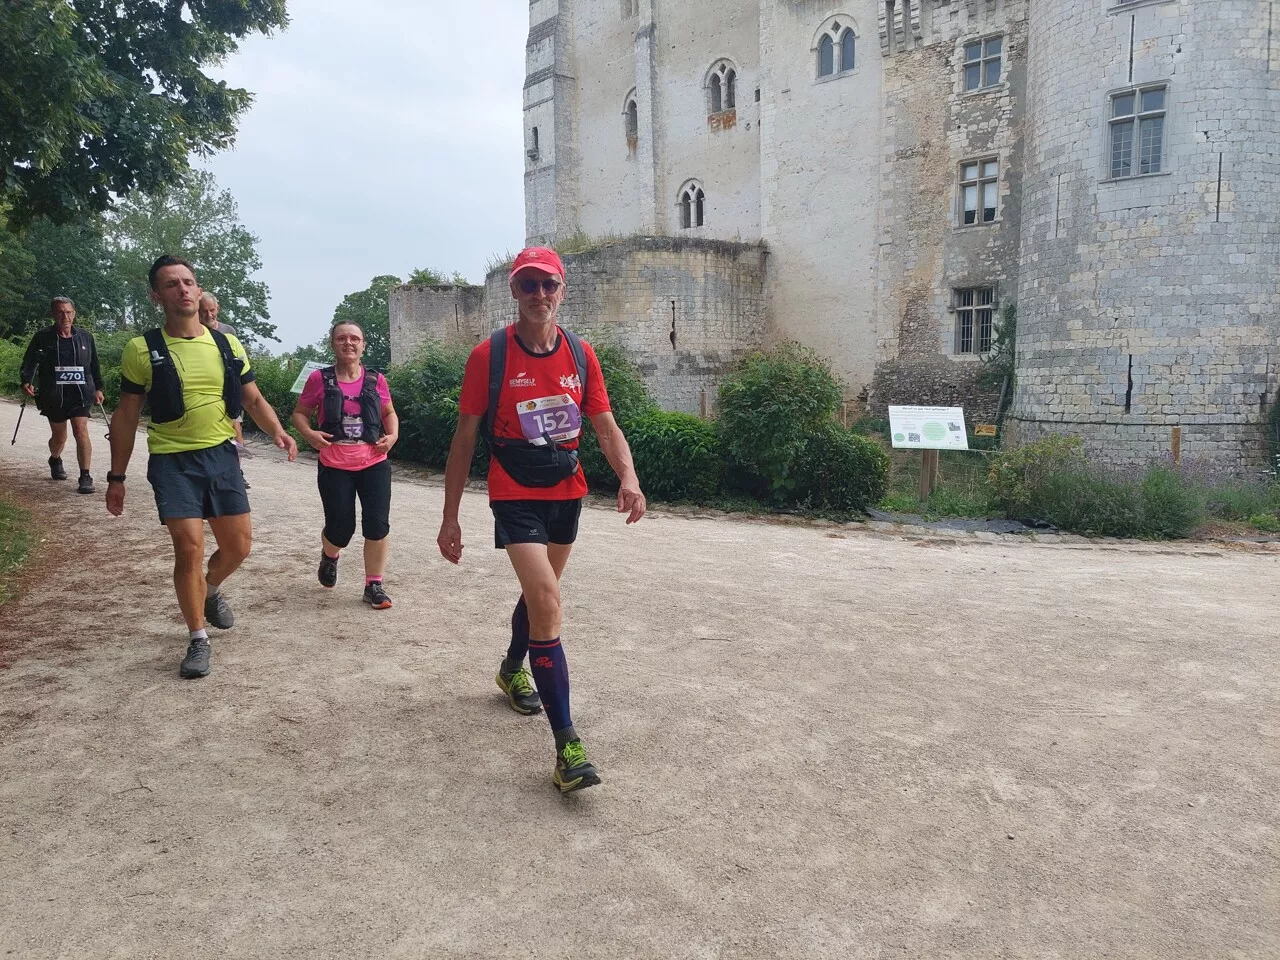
(1150, 227)
(550, 108)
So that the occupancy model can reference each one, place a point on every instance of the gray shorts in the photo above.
(198, 483)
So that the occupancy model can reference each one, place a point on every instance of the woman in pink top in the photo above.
(358, 426)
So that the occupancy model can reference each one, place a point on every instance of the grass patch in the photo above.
(963, 489)
(15, 544)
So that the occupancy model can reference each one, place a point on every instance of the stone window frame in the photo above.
(722, 80)
(980, 160)
(957, 308)
(691, 205)
(834, 28)
(630, 9)
(1120, 6)
(631, 121)
(982, 61)
(1111, 121)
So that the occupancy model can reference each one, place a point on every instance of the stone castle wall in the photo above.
(684, 311)
(1151, 302)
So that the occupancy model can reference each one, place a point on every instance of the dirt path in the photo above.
(815, 743)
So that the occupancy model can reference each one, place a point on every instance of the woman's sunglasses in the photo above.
(549, 286)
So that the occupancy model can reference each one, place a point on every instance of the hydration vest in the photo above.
(165, 395)
(528, 464)
(331, 408)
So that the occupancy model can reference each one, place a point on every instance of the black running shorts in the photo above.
(198, 483)
(535, 521)
(63, 414)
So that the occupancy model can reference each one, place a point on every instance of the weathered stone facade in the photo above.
(903, 205)
(1152, 302)
(685, 310)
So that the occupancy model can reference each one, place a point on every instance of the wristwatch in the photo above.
(115, 477)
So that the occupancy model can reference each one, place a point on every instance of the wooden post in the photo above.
(1177, 445)
(928, 474)
(702, 403)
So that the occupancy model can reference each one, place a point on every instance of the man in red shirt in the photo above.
(535, 483)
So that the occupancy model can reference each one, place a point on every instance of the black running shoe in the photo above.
(376, 597)
(328, 572)
(218, 612)
(520, 691)
(196, 663)
(86, 484)
(573, 770)
(55, 469)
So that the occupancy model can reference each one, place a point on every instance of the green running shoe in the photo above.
(520, 691)
(573, 770)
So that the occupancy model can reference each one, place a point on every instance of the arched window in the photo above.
(826, 56)
(848, 59)
(631, 121)
(836, 46)
(722, 87)
(693, 205)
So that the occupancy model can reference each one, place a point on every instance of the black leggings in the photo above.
(338, 492)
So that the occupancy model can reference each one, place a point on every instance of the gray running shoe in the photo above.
(86, 484)
(218, 612)
(196, 663)
(56, 470)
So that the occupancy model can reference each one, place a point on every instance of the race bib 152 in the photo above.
(555, 417)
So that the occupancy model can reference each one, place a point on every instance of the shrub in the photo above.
(769, 409)
(1171, 507)
(839, 470)
(677, 456)
(1159, 504)
(1017, 474)
(630, 401)
(10, 367)
(425, 391)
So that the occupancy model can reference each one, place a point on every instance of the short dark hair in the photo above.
(167, 260)
(345, 323)
(53, 304)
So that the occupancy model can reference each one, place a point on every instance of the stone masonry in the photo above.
(840, 166)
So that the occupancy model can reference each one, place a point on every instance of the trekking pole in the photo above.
(21, 410)
(107, 419)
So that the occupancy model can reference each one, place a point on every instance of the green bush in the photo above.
(1017, 474)
(425, 392)
(630, 401)
(677, 456)
(770, 408)
(840, 470)
(10, 367)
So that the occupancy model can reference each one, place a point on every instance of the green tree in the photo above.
(368, 307)
(45, 260)
(197, 221)
(101, 98)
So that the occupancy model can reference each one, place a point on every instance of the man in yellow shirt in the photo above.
(197, 381)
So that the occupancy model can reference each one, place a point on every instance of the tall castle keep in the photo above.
(880, 179)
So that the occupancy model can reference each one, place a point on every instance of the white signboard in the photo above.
(307, 369)
(928, 428)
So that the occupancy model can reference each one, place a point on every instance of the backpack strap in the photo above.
(497, 367)
(229, 359)
(156, 346)
(233, 368)
(579, 359)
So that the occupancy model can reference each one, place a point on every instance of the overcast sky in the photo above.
(385, 136)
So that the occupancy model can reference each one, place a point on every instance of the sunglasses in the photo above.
(549, 286)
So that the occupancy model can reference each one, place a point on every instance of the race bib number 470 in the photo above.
(557, 418)
(68, 375)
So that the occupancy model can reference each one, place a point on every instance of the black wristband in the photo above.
(115, 477)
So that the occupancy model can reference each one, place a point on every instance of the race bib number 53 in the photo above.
(556, 417)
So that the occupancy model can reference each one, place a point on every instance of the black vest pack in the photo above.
(49, 392)
(331, 407)
(165, 395)
(528, 464)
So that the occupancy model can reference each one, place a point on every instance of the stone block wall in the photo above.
(418, 313)
(1152, 302)
(684, 311)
